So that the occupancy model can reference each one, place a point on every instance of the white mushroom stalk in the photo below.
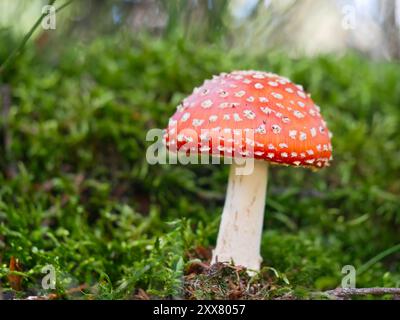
(239, 237)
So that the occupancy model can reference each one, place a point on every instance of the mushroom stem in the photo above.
(239, 236)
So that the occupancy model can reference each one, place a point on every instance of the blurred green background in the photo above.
(76, 191)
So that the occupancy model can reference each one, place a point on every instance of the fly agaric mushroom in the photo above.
(287, 127)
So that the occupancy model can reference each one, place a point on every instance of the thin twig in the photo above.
(349, 292)
(5, 104)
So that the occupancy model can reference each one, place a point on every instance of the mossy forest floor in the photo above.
(76, 192)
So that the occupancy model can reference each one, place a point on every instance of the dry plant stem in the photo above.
(349, 292)
(5, 106)
(239, 237)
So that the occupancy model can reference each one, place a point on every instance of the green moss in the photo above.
(85, 200)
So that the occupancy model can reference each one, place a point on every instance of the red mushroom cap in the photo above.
(286, 125)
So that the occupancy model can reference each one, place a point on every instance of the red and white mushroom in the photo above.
(287, 129)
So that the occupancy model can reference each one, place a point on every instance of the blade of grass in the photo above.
(18, 49)
(64, 5)
(378, 257)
